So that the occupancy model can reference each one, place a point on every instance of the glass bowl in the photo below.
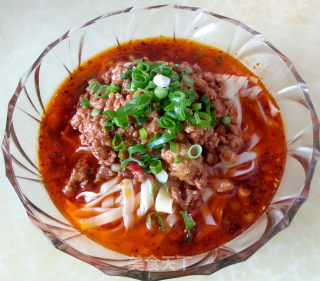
(61, 57)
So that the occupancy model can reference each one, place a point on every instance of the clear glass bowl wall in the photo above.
(248, 46)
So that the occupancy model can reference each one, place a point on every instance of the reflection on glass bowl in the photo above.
(58, 60)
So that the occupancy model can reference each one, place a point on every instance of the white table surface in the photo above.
(28, 26)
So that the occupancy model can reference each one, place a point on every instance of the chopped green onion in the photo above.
(141, 120)
(226, 120)
(166, 70)
(158, 141)
(114, 88)
(161, 92)
(167, 123)
(144, 66)
(173, 147)
(159, 219)
(127, 161)
(190, 95)
(94, 86)
(188, 222)
(175, 77)
(136, 149)
(117, 142)
(187, 70)
(198, 151)
(85, 102)
(128, 85)
(187, 80)
(95, 112)
(205, 99)
(123, 154)
(145, 159)
(115, 167)
(175, 85)
(125, 75)
(143, 133)
(151, 85)
(155, 167)
(155, 185)
(196, 106)
(177, 96)
(178, 159)
(140, 79)
(107, 126)
(102, 92)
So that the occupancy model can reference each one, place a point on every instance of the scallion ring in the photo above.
(95, 112)
(194, 151)
(117, 142)
(159, 183)
(161, 92)
(143, 133)
(85, 102)
(187, 80)
(226, 120)
(155, 166)
(102, 92)
(159, 218)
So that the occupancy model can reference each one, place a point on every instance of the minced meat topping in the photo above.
(143, 117)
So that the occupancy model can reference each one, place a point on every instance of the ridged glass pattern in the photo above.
(61, 57)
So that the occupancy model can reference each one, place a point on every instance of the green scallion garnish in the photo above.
(85, 102)
(95, 112)
(156, 167)
(226, 120)
(194, 151)
(159, 220)
(117, 142)
(143, 133)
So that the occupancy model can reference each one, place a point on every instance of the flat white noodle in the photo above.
(253, 141)
(147, 200)
(172, 219)
(236, 101)
(91, 210)
(104, 218)
(243, 172)
(233, 84)
(251, 92)
(127, 202)
(162, 176)
(87, 195)
(104, 195)
(137, 199)
(107, 185)
(164, 201)
(107, 202)
(207, 216)
(243, 158)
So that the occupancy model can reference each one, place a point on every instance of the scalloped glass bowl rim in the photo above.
(315, 122)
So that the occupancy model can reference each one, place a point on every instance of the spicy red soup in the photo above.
(162, 147)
